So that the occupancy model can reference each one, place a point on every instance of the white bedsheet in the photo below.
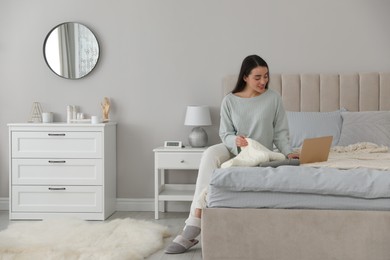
(360, 155)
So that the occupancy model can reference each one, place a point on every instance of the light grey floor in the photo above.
(174, 221)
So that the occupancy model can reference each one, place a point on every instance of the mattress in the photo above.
(300, 188)
(219, 198)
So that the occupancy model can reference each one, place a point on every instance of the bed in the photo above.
(355, 228)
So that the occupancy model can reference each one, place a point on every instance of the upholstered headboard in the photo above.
(328, 92)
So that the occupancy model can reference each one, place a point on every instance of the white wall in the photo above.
(158, 56)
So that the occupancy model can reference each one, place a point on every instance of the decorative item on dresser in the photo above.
(106, 109)
(198, 116)
(36, 113)
(187, 158)
(62, 169)
(47, 117)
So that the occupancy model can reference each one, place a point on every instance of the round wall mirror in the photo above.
(71, 50)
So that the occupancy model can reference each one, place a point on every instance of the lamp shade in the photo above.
(197, 116)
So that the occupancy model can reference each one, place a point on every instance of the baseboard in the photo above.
(131, 205)
(134, 204)
(4, 205)
(148, 205)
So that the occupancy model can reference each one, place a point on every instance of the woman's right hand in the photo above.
(241, 141)
(293, 156)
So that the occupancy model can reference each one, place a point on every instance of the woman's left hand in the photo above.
(241, 141)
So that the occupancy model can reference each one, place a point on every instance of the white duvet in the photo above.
(360, 171)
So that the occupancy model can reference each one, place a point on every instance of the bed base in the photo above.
(294, 234)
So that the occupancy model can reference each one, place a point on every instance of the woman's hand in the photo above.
(293, 156)
(241, 141)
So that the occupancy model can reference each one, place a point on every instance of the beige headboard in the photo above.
(328, 92)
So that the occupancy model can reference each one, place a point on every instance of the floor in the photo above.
(174, 220)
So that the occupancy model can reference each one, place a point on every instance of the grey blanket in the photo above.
(360, 182)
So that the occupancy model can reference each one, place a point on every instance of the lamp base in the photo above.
(198, 137)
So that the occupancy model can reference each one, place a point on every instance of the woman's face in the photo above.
(257, 80)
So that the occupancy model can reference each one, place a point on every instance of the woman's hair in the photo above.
(248, 64)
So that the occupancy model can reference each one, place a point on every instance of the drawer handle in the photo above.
(57, 188)
(182, 161)
(57, 161)
(56, 134)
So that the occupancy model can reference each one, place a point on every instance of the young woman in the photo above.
(251, 110)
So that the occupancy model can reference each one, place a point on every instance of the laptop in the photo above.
(315, 149)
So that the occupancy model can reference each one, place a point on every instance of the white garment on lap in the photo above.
(252, 155)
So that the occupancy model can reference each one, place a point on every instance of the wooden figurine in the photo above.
(105, 109)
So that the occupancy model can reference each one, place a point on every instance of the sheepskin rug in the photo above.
(70, 239)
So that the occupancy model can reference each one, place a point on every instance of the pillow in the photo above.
(304, 125)
(366, 126)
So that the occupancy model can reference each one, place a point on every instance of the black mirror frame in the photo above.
(44, 50)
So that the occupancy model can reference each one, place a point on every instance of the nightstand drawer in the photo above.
(174, 160)
(57, 198)
(57, 144)
(57, 171)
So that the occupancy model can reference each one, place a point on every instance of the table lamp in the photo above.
(198, 116)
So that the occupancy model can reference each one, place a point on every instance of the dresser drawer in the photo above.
(57, 171)
(178, 160)
(57, 199)
(57, 144)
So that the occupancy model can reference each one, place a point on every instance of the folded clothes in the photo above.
(292, 162)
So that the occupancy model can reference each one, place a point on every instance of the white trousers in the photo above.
(211, 159)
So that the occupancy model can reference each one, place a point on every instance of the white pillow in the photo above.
(366, 126)
(304, 125)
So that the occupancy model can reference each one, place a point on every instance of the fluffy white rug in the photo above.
(77, 239)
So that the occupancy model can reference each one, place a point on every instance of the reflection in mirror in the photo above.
(71, 50)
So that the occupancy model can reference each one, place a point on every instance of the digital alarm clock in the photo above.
(173, 144)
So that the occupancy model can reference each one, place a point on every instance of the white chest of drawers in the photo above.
(62, 169)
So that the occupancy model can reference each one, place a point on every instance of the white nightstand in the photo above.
(186, 158)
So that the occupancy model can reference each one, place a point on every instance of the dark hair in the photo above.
(248, 64)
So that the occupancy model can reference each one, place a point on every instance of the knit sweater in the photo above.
(261, 118)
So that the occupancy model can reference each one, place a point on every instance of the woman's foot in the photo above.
(190, 232)
(180, 244)
(184, 241)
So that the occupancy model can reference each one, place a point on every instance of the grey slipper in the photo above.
(190, 232)
(180, 244)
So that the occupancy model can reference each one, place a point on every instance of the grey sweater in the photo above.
(261, 118)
